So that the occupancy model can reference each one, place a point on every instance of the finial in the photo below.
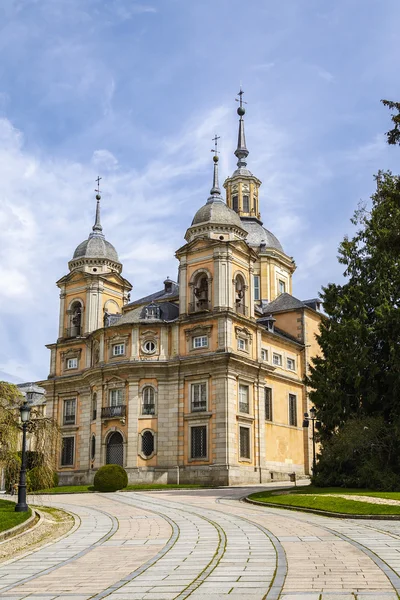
(215, 190)
(241, 151)
(97, 225)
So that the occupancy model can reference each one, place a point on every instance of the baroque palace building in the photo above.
(201, 381)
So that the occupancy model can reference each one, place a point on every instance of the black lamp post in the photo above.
(307, 418)
(25, 411)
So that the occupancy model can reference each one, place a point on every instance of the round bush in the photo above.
(110, 478)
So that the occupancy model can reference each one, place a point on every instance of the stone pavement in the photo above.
(205, 544)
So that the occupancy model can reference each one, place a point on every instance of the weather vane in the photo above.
(215, 140)
(97, 190)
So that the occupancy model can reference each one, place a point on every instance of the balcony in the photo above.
(69, 420)
(199, 406)
(148, 409)
(71, 332)
(241, 309)
(113, 412)
(199, 306)
(244, 407)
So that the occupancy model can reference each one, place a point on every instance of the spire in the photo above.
(241, 151)
(215, 190)
(97, 225)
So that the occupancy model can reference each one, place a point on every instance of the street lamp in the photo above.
(307, 418)
(25, 411)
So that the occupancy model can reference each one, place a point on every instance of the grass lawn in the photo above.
(311, 497)
(79, 489)
(8, 517)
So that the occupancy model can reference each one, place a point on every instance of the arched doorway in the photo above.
(115, 449)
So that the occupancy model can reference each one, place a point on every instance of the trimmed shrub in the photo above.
(110, 478)
(55, 479)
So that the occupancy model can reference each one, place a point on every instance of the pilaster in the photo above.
(132, 428)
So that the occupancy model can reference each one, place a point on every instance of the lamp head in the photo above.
(25, 411)
(313, 412)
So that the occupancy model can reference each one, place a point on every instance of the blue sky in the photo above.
(134, 91)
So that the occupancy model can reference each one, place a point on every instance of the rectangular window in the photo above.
(291, 365)
(67, 451)
(69, 412)
(198, 397)
(264, 354)
(118, 349)
(282, 286)
(198, 442)
(94, 408)
(277, 359)
(256, 287)
(293, 410)
(200, 341)
(246, 207)
(241, 344)
(72, 363)
(116, 397)
(244, 399)
(268, 403)
(235, 203)
(244, 442)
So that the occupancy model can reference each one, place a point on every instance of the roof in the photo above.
(161, 295)
(283, 302)
(38, 393)
(257, 234)
(168, 312)
(216, 212)
(96, 246)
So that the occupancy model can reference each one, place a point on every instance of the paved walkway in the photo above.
(205, 544)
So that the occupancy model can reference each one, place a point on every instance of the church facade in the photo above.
(200, 382)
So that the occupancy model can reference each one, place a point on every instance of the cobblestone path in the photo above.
(205, 544)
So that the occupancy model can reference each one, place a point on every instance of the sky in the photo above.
(134, 91)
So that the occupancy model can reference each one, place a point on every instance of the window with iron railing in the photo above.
(67, 451)
(244, 399)
(244, 442)
(148, 404)
(69, 412)
(198, 442)
(198, 397)
(293, 410)
(268, 403)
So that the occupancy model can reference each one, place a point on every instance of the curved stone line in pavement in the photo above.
(43, 556)
(212, 581)
(389, 572)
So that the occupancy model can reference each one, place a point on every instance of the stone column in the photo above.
(62, 314)
(83, 434)
(98, 462)
(183, 285)
(135, 343)
(132, 428)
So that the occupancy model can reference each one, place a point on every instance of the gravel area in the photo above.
(54, 524)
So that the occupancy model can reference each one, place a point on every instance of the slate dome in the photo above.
(257, 234)
(217, 212)
(96, 246)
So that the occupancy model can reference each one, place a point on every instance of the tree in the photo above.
(358, 374)
(43, 434)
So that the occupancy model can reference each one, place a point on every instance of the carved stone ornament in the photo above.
(244, 333)
(198, 330)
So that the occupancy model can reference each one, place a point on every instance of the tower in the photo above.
(273, 270)
(94, 287)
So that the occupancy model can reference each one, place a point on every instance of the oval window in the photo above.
(149, 346)
(147, 443)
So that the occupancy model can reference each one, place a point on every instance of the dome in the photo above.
(257, 234)
(217, 212)
(96, 246)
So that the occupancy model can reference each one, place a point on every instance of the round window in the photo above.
(149, 346)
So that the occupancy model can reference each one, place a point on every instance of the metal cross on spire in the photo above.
(215, 140)
(240, 99)
(98, 184)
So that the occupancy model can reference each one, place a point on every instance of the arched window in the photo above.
(93, 447)
(246, 207)
(94, 406)
(200, 292)
(148, 405)
(75, 322)
(115, 449)
(240, 287)
(147, 443)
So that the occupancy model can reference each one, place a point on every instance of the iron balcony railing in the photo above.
(149, 409)
(244, 407)
(69, 420)
(113, 412)
(198, 407)
(71, 332)
(199, 305)
(241, 309)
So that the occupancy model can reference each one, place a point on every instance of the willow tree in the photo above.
(43, 436)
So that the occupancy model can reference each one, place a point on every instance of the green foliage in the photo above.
(40, 477)
(393, 136)
(55, 479)
(110, 478)
(362, 453)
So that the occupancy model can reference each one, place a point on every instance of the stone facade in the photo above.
(201, 382)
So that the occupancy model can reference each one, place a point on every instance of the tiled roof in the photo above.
(168, 312)
(161, 295)
(283, 302)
